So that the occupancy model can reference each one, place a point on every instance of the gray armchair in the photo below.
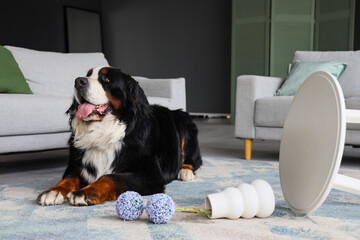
(261, 115)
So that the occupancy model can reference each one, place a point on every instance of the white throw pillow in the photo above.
(52, 73)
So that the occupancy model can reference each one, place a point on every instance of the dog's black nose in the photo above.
(81, 82)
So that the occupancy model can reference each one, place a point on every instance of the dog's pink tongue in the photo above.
(84, 110)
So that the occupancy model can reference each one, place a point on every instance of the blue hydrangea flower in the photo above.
(130, 206)
(160, 208)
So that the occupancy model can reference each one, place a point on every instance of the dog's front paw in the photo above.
(186, 174)
(50, 197)
(78, 198)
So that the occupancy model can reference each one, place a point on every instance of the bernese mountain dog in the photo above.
(120, 142)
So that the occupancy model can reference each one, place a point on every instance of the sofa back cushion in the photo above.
(350, 79)
(52, 73)
(168, 92)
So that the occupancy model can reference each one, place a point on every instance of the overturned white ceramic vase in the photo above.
(247, 201)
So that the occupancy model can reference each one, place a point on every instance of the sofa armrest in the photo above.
(171, 88)
(249, 88)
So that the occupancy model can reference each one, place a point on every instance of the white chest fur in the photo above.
(101, 140)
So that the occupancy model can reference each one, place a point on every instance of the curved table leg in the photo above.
(352, 116)
(347, 184)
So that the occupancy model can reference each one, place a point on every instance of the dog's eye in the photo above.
(105, 79)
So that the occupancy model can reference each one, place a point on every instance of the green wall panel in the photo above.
(292, 27)
(266, 33)
(291, 7)
(250, 41)
(288, 37)
(247, 9)
(250, 58)
(331, 6)
(334, 29)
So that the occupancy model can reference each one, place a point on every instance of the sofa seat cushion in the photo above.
(272, 111)
(353, 103)
(23, 114)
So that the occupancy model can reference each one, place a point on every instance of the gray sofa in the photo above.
(32, 122)
(261, 115)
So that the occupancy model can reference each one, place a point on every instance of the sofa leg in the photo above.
(248, 146)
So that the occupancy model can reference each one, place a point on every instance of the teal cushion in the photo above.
(11, 78)
(302, 70)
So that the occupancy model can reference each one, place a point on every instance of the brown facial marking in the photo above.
(66, 185)
(116, 103)
(104, 71)
(89, 73)
(104, 189)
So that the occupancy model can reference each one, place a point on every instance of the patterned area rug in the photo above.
(337, 218)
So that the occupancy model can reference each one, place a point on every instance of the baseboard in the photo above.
(210, 115)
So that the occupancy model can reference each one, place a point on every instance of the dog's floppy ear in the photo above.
(137, 112)
(136, 92)
(136, 101)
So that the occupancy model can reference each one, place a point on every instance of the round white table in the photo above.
(312, 144)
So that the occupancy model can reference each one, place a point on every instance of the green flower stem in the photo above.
(194, 210)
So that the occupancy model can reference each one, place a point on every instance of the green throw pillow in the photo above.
(302, 70)
(11, 78)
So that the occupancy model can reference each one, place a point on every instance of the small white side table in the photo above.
(312, 144)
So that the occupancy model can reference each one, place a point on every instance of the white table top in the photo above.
(312, 143)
